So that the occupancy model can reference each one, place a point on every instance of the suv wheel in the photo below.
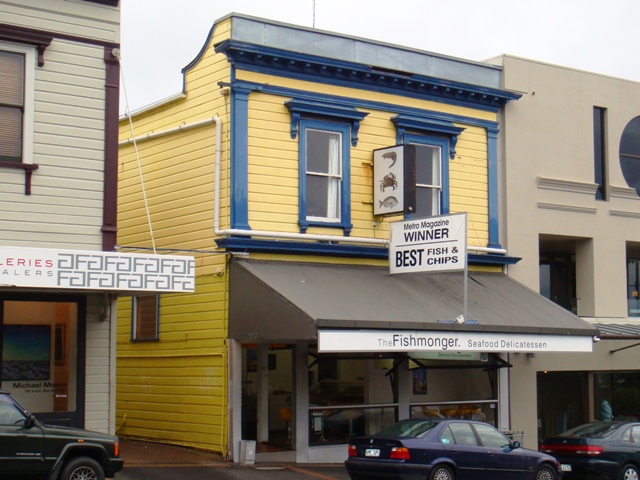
(82, 468)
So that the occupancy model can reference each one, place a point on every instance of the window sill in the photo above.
(346, 227)
(28, 170)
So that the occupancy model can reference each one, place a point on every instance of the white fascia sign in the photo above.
(96, 270)
(434, 244)
(336, 341)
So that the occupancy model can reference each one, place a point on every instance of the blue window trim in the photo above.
(443, 143)
(345, 184)
(298, 108)
(427, 125)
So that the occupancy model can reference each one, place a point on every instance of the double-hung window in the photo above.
(431, 175)
(17, 65)
(435, 141)
(325, 132)
(324, 175)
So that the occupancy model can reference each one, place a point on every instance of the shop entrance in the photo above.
(39, 348)
(267, 396)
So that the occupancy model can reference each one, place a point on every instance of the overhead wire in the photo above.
(135, 149)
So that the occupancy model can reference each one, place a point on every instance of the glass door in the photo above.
(39, 350)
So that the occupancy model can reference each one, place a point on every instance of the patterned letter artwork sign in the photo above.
(96, 270)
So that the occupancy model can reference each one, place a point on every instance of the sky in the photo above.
(160, 37)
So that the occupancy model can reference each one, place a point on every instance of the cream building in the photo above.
(570, 167)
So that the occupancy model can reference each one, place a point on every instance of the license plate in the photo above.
(372, 452)
(565, 467)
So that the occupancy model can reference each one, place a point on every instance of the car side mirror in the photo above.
(515, 445)
(29, 422)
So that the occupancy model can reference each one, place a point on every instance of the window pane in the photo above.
(10, 134)
(323, 179)
(490, 437)
(146, 318)
(427, 201)
(12, 78)
(427, 165)
(40, 344)
(463, 434)
(323, 197)
(633, 287)
(322, 152)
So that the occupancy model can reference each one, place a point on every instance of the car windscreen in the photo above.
(592, 430)
(408, 429)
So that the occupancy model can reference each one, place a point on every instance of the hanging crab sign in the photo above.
(387, 181)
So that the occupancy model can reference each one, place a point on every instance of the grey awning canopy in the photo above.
(289, 301)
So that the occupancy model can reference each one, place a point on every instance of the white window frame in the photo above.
(334, 185)
(435, 189)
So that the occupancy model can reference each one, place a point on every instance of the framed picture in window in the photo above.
(419, 381)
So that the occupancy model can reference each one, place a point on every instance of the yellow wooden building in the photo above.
(281, 167)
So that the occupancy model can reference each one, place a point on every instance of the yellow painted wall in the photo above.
(175, 390)
(273, 186)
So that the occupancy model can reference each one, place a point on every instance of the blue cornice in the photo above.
(363, 104)
(283, 247)
(312, 68)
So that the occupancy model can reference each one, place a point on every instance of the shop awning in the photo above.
(288, 301)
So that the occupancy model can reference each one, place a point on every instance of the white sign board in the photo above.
(388, 181)
(434, 244)
(331, 341)
(96, 270)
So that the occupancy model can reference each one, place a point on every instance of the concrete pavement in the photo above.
(155, 461)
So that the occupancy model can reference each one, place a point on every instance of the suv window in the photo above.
(9, 414)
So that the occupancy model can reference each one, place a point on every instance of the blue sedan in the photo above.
(603, 450)
(445, 449)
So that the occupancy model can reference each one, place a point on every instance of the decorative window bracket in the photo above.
(427, 125)
(28, 170)
(13, 33)
(327, 111)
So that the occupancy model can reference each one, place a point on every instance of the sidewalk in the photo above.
(145, 460)
(150, 454)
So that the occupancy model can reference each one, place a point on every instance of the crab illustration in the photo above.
(388, 180)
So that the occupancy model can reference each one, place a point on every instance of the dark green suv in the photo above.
(30, 449)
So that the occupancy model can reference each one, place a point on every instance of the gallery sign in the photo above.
(335, 341)
(96, 270)
(434, 244)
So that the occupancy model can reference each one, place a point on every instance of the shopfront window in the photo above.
(349, 397)
(39, 354)
(617, 395)
(472, 396)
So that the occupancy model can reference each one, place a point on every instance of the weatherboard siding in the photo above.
(65, 208)
(175, 389)
(78, 18)
(274, 171)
